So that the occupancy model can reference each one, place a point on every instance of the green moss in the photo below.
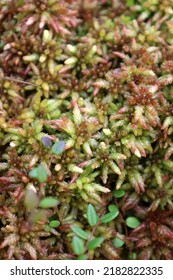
(86, 127)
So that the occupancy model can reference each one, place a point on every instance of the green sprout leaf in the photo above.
(92, 216)
(118, 242)
(95, 242)
(109, 216)
(58, 148)
(33, 173)
(112, 208)
(80, 232)
(54, 223)
(39, 173)
(118, 193)
(78, 245)
(132, 222)
(48, 202)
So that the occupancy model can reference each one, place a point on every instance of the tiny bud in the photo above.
(153, 89)
(47, 36)
(45, 87)
(87, 148)
(24, 179)
(93, 49)
(98, 187)
(31, 57)
(30, 21)
(42, 58)
(57, 167)
(114, 168)
(107, 131)
(7, 46)
(101, 83)
(102, 146)
(74, 168)
(152, 49)
(12, 144)
(33, 161)
(69, 144)
(144, 15)
(77, 115)
(71, 60)
(137, 153)
(71, 48)
(51, 67)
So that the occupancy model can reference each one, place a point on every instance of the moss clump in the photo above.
(86, 129)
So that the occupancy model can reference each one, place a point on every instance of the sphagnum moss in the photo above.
(86, 125)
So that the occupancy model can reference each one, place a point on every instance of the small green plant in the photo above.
(86, 129)
(39, 173)
(85, 241)
(78, 246)
(132, 222)
(92, 216)
(58, 148)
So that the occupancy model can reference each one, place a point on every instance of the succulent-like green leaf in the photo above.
(39, 173)
(132, 222)
(54, 223)
(109, 216)
(117, 242)
(78, 245)
(33, 173)
(58, 148)
(118, 193)
(112, 208)
(95, 242)
(80, 232)
(92, 216)
(48, 202)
